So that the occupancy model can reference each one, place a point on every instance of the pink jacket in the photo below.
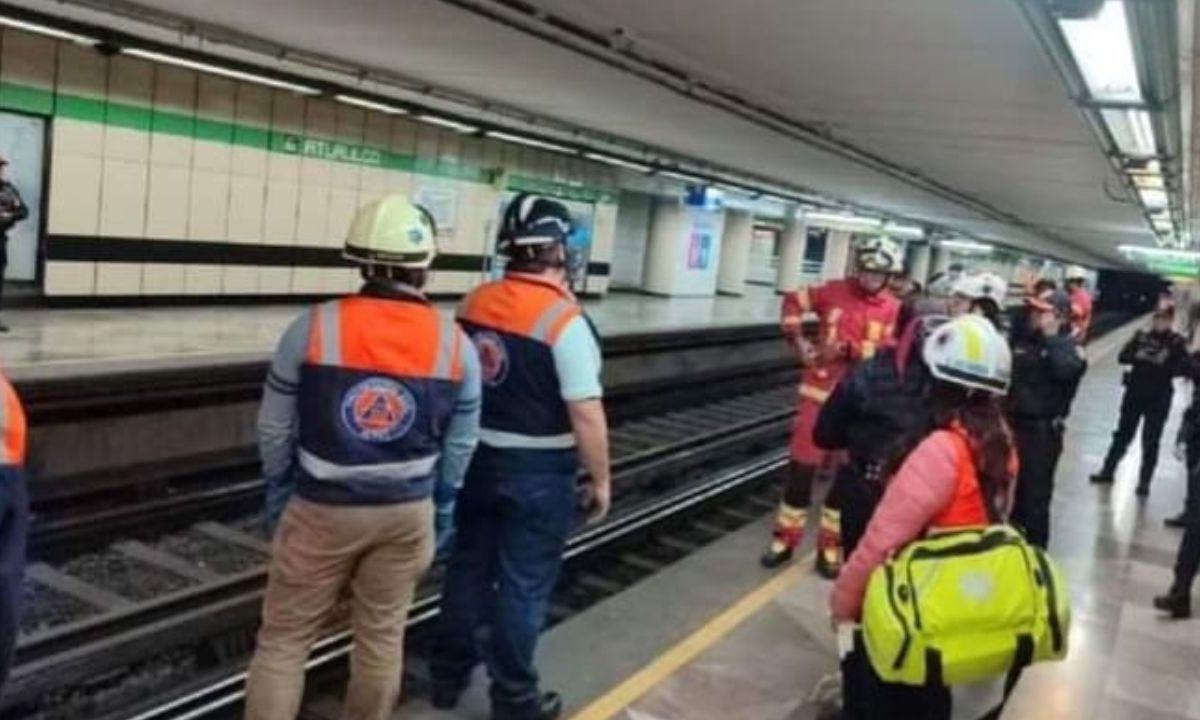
(922, 488)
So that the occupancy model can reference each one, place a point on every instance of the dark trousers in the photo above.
(14, 534)
(1192, 499)
(1039, 445)
(1187, 560)
(514, 515)
(1136, 408)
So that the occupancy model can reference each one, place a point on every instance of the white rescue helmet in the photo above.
(985, 286)
(879, 254)
(1075, 272)
(969, 351)
(392, 231)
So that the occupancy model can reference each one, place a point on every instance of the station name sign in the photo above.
(330, 150)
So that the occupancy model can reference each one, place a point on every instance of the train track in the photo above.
(152, 603)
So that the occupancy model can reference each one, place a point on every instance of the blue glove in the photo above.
(443, 530)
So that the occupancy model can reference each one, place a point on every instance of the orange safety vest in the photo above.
(13, 424)
(377, 389)
(967, 507)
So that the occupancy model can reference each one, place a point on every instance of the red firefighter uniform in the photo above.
(1081, 314)
(853, 325)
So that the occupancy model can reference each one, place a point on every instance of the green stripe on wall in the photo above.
(39, 101)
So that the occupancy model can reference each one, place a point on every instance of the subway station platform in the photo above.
(715, 637)
(49, 344)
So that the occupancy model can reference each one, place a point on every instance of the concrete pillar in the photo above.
(837, 255)
(941, 261)
(735, 252)
(791, 253)
(682, 250)
(919, 263)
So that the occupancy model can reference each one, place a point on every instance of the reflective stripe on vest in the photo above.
(379, 472)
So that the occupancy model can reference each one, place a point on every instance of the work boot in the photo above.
(1143, 489)
(1177, 605)
(1177, 521)
(788, 533)
(780, 551)
(549, 707)
(829, 554)
(1103, 477)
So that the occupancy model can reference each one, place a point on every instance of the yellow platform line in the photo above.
(644, 680)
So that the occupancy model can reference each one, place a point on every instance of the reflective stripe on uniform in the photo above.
(501, 439)
(813, 392)
(547, 320)
(449, 338)
(831, 324)
(381, 472)
(331, 334)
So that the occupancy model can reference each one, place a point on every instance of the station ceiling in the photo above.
(941, 111)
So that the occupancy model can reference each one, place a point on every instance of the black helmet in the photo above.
(533, 220)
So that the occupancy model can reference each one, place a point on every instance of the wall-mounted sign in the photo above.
(329, 150)
(441, 200)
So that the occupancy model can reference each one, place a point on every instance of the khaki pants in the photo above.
(319, 550)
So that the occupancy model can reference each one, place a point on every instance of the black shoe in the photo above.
(1177, 521)
(550, 706)
(3, 328)
(444, 698)
(1177, 605)
(1143, 490)
(776, 555)
(1102, 478)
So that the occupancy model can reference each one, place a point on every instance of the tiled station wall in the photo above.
(163, 181)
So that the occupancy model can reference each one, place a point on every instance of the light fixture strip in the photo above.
(440, 121)
(1102, 46)
(530, 142)
(370, 105)
(219, 70)
(682, 177)
(617, 162)
(969, 245)
(48, 31)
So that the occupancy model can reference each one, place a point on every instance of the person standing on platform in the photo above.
(1177, 601)
(12, 211)
(14, 522)
(857, 316)
(369, 417)
(542, 417)
(982, 294)
(1155, 358)
(1047, 366)
(1075, 279)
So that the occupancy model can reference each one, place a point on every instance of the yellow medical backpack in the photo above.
(964, 605)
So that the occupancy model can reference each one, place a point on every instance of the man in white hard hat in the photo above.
(369, 418)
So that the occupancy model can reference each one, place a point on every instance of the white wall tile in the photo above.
(351, 123)
(124, 144)
(378, 130)
(333, 281)
(283, 168)
(346, 176)
(320, 118)
(400, 182)
(202, 280)
(253, 105)
(404, 136)
(280, 213)
(212, 156)
(493, 153)
(314, 172)
(123, 199)
(247, 205)
(450, 148)
(118, 278)
(239, 280)
(169, 200)
(249, 162)
(66, 278)
(74, 195)
(428, 137)
(162, 279)
(171, 150)
(174, 90)
(287, 112)
(76, 137)
(373, 182)
(215, 98)
(208, 207)
(343, 204)
(308, 280)
(354, 281)
(312, 225)
(604, 229)
(275, 281)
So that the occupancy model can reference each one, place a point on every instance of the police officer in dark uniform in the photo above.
(12, 211)
(1155, 357)
(1047, 366)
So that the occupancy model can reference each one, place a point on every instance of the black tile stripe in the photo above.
(84, 248)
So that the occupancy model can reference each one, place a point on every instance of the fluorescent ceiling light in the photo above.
(370, 104)
(610, 160)
(531, 142)
(1147, 181)
(735, 189)
(1132, 131)
(1159, 252)
(219, 70)
(448, 123)
(907, 232)
(1103, 50)
(683, 177)
(1153, 199)
(967, 246)
(1163, 226)
(836, 220)
(48, 31)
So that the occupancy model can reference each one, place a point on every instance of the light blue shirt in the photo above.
(577, 360)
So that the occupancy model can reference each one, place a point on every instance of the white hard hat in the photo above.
(1075, 272)
(985, 286)
(392, 231)
(880, 254)
(969, 351)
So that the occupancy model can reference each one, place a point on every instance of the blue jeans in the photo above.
(514, 515)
